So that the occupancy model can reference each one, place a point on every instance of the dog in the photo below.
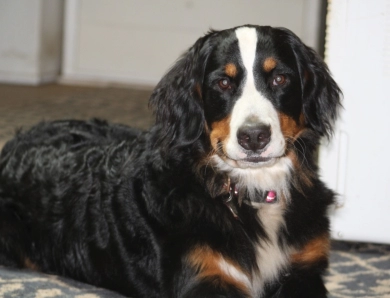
(220, 198)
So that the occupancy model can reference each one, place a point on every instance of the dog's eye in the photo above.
(279, 80)
(224, 84)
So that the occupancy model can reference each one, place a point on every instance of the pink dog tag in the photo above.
(271, 196)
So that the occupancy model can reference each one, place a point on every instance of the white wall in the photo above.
(356, 163)
(30, 40)
(132, 41)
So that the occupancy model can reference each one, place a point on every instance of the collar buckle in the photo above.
(232, 198)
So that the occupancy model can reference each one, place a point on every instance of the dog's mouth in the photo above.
(247, 159)
(256, 159)
(253, 161)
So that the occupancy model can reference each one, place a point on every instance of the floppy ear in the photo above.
(177, 99)
(320, 93)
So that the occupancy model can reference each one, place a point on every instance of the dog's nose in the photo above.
(253, 136)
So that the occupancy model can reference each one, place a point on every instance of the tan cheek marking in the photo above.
(207, 262)
(305, 176)
(231, 70)
(269, 64)
(219, 131)
(314, 251)
(290, 128)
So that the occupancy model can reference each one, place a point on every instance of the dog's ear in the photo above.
(177, 99)
(320, 93)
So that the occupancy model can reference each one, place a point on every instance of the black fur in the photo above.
(124, 209)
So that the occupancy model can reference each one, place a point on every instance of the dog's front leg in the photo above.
(206, 272)
(213, 287)
(302, 284)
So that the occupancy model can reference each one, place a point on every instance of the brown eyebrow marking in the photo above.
(231, 70)
(269, 64)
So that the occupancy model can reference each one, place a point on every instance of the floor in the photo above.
(356, 270)
(23, 106)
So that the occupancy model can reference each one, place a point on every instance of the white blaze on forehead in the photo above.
(247, 42)
(252, 104)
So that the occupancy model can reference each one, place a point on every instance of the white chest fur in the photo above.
(272, 256)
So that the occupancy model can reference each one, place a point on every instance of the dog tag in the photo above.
(270, 197)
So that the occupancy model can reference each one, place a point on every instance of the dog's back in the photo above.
(58, 211)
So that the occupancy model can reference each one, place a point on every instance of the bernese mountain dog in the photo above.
(220, 198)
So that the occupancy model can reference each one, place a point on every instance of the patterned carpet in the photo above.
(359, 270)
(356, 270)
